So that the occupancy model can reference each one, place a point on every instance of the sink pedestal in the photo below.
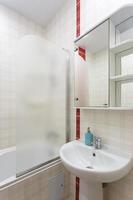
(90, 191)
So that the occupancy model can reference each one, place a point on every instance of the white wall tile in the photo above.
(12, 27)
(115, 127)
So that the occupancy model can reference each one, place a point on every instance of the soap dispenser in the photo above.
(88, 137)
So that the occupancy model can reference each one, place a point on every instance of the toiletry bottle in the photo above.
(89, 137)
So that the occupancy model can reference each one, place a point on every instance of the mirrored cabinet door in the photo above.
(92, 69)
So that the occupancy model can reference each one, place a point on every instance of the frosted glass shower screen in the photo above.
(41, 101)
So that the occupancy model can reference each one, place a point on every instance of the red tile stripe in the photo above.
(77, 184)
(82, 53)
(77, 18)
(77, 188)
(77, 124)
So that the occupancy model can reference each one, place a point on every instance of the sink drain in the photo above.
(89, 167)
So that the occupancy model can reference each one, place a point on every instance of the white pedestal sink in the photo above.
(95, 167)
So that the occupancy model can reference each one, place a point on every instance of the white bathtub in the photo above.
(7, 165)
(27, 158)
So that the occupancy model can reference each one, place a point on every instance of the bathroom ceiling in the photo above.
(41, 11)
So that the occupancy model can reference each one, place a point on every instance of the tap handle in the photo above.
(97, 142)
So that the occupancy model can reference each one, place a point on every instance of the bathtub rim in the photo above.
(7, 150)
(30, 173)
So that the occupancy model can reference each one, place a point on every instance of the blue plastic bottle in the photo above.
(89, 137)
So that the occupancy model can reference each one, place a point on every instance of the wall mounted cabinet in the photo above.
(105, 78)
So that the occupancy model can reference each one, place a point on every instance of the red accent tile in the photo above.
(77, 188)
(78, 112)
(77, 185)
(82, 53)
(77, 18)
(77, 1)
(81, 50)
(77, 124)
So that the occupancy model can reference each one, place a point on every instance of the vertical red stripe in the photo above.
(77, 110)
(77, 18)
(77, 124)
(82, 53)
(77, 188)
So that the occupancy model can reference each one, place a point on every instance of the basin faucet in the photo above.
(97, 142)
